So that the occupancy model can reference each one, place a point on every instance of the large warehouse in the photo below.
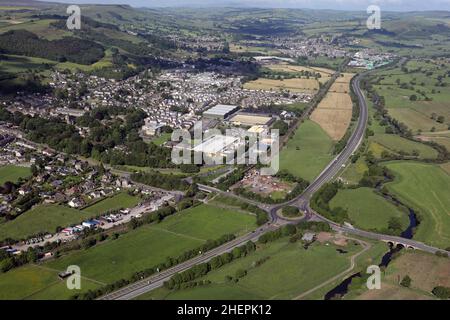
(220, 111)
(251, 119)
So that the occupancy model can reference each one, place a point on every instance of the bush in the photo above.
(290, 211)
(441, 292)
(406, 281)
(240, 273)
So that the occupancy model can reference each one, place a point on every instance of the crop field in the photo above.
(367, 209)
(398, 144)
(425, 270)
(118, 201)
(293, 85)
(302, 270)
(342, 84)
(340, 87)
(42, 218)
(13, 173)
(308, 152)
(334, 114)
(425, 187)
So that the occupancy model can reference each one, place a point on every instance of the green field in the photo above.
(34, 282)
(118, 201)
(425, 188)
(396, 86)
(40, 27)
(398, 144)
(137, 250)
(152, 244)
(426, 271)
(367, 209)
(302, 270)
(441, 137)
(354, 172)
(42, 218)
(313, 154)
(13, 173)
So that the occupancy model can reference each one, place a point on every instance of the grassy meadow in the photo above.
(425, 188)
(308, 152)
(367, 209)
(13, 173)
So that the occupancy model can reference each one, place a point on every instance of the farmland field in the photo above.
(152, 244)
(442, 137)
(137, 250)
(34, 282)
(13, 173)
(425, 270)
(20, 64)
(334, 112)
(302, 270)
(39, 27)
(308, 152)
(425, 188)
(42, 218)
(325, 74)
(118, 201)
(293, 85)
(398, 144)
(367, 209)
(427, 81)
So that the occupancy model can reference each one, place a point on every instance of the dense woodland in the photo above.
(70, 49)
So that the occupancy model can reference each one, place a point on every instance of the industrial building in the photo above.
(220, 111)
(250, 120)
(218, 145)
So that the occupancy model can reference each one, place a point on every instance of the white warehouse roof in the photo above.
(221, 110)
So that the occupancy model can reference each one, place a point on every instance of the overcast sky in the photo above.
(397, 5)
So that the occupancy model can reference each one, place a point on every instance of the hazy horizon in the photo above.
(349, 5)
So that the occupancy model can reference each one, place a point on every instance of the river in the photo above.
(342, 289)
